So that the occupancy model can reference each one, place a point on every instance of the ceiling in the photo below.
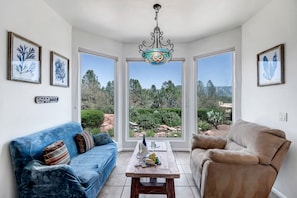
(133, 20)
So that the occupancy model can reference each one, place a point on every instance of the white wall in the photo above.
(19, 115)
(273, 25)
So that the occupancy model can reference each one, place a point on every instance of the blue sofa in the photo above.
(83, 177)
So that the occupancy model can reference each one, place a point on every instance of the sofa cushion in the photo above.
(94, 163)
(56, 153)
(102, 138)
(208, 142)
(251, 135)
(84, 141)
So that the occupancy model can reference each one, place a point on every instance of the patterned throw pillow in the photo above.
(56, 153)
(84, 141)
(102, 138)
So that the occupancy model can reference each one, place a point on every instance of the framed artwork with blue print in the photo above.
(59, 70)
(24, 59)
(271, 66)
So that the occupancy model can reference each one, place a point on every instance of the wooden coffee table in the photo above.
(168, 170)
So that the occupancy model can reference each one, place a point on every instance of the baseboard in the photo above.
(279, 194)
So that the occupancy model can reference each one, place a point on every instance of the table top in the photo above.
(167, 169)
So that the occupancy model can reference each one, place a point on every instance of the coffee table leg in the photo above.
(170, 188)
(134, 187)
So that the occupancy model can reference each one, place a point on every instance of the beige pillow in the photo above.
(231, 157)
(208, 142)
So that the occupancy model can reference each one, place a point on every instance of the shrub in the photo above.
(93, 130)
(203, 125)
(91, 118)
(146, 121)
(202, 114)
(111, 132)
(215, 118)
(171, 119)
(150, 133)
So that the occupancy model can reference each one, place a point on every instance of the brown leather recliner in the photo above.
(245, 164)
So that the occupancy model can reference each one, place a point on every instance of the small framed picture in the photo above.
(271, 66)
(59, 70)
(24, 59)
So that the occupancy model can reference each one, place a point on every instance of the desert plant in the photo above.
(215, 118)
(203, 125)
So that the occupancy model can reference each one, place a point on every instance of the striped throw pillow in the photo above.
(56, 153)
(84, 141)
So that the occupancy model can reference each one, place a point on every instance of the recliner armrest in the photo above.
(231, 157)
(208, 142)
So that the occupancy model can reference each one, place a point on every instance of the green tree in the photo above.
(109, 89)
(135, 93)
(155, 97)
(90, 80)
(211, 90)
(170, 95)
(92, 96)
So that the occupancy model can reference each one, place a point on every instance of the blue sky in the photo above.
(103, 67)
(216, 68)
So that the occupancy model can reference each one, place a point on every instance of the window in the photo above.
(214, 92)
(97, 93)
(155, 100)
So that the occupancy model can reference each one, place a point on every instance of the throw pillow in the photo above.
(102, 138)
(56, 153)
(84, 141)
(208, 142)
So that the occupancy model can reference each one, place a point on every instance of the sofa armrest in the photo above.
(55, 180)
(231, 157)
(208, 142)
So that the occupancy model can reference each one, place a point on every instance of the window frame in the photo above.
(196, 58)
(115, 59)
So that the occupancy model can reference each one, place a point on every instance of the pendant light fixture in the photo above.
(157, 52)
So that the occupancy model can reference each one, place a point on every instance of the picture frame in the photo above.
(59, 70)
(23, 59)
(270, 67)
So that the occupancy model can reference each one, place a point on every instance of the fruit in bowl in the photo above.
(153, 159)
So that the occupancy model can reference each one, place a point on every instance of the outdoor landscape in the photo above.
(152, 111)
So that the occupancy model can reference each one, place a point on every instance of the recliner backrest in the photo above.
(257, 139)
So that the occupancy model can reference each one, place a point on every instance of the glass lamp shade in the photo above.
(157, 56)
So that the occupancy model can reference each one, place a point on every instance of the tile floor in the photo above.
(118, 185)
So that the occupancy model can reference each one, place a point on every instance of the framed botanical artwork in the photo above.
(24, 59)
(271, 66)
(59, 69)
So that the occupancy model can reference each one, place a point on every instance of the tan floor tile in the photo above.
(182, 181)
(180, 168)
(125, 154)
(128, 181)
(184, 192)
(190, 179)
(195, 192)
(186, 168)
(126, 192)
(116, 179)
(182, 157)
(110, 192)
